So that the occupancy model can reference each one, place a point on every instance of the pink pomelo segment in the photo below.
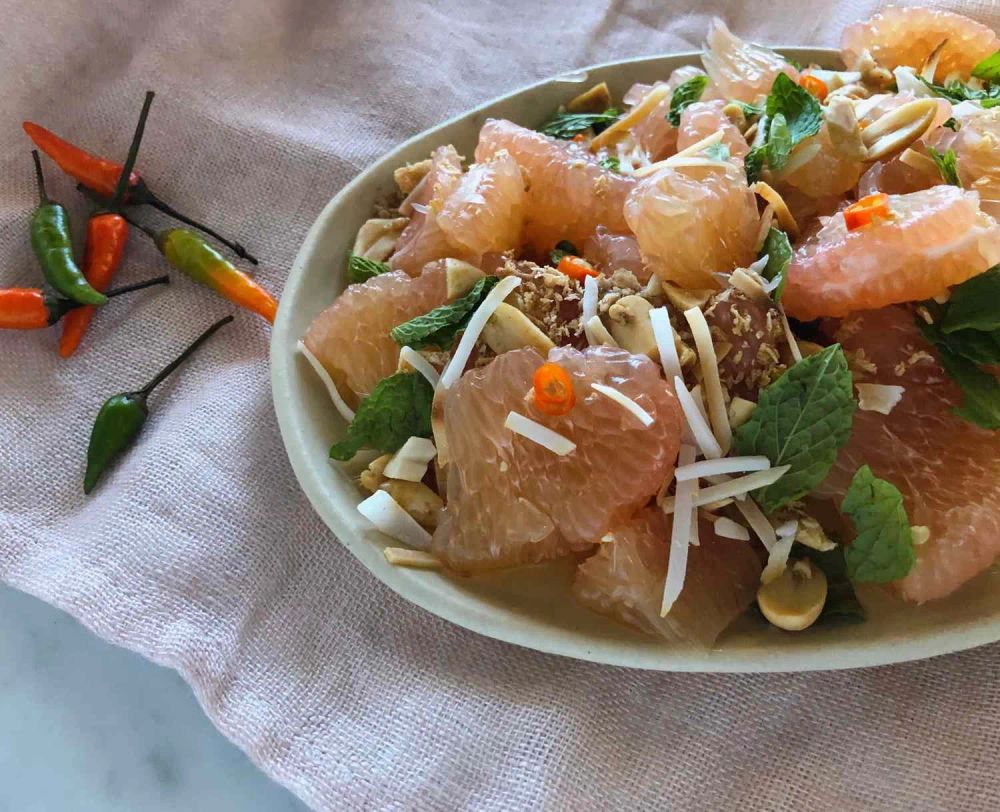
(351, 337)
(568, 193)
(934, 239)
(609, 252)
(625, 577)
(512, 501)
(463, 216)
(947, 469)
(977, 149)
(693, 221)
(907, 36)
(738, 69)
(702, 119)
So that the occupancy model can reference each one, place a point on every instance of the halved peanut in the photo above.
(509, 329)
(794, 600)
(460, 277)
(376, 239)
(631, 326)
(897, 129)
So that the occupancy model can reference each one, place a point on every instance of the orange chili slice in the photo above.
(576, 268)
(553, 390)
(579, 138)
(862, 213)
(814, 85)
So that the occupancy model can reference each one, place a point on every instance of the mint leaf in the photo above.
(842, 604)
(566, 125)
(988, 69)
(980, 390)
(951, 124)
(717, 152)
(975, 304)
(684, 96)
(802, 420)
(779, 258)
(562, 249)
(958, 92)
(947, 165)
(801, 110)
(753, 163)
(748, 110)
(883, 549)
(974, 345)
(439, 327)
(360, 269)
(612, 163)
(779, 143)
(397, 409)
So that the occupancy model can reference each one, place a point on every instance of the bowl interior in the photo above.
(532, 606)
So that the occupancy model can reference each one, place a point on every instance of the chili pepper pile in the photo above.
(74, 292)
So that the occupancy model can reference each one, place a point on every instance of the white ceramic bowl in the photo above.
(532, 607)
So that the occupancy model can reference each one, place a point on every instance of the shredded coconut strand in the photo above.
(411, 461)
(728, 465)
(758, 522)
(733, 487)
(414, 559)
(663, 332)
(388, 516)
(777, 559)
(793, 345)
(680, 536)
(537, 433)
(588, 307)
(728, 529)
(625, 401)
(700, 430)
(478, 321)
(345, 411)
(420, 364)
(710, 376)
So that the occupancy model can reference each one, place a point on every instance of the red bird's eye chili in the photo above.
(107, 233)
(101, 177)
(34, 308)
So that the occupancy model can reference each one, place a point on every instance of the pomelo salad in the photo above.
(728, 341)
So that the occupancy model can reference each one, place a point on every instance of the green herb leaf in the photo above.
(779, 143)
(793, 62)
(439, 327)
(842, 604)
(975, 304)
(980, 390)
(802, 420)
(685, 95)
(989, 69)
(947, 165)
(612, 163)
(562, 249)
(779, 257)
(397, 409)
(974, 345)
(951, 124)
(749, 110)
(717, 152)
(753, 163)
(988, 103)
(802, 111)
(883, 549)
(566, 125)
(360, 269)
(959, 91)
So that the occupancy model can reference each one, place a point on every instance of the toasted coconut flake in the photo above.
(414, 559)
(764, 227)
(696, 422)
(620, 128)
(341, 406)
(680, 158)
(929, 68)
(537, 433)
(680, 536)
(663, 331)
(733, 487)
(709, 363)
(751, 285)
(625, 402)
(918, 161)
(727, 465)
(781, 210)
(388, 516)
(597, 334)
(595, 100)
(414, 359)
(411, 461)
(897, 129)
(728, 529)
(877, 397)
(470, 337)
(376, 239)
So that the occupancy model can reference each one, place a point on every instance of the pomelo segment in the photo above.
(464, 216)
(569, 194)
(907, 36)
(738, 69)
(701, 119)
(977, 149)
(936, 238)
(948, 470)
(511, 501)
(829, 172)
(351, 337)
(625, 577)
(693, 221)
(608, 252)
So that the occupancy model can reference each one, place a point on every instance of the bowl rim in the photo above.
(343, 522)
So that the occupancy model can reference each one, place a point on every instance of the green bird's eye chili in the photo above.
(50, 239)
(122, 416)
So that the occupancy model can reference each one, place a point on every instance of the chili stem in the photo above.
(166, 208)
(133, 152)
(159, 280)
(146, 390)
(39, 178)
(134, 223)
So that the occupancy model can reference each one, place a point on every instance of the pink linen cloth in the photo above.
(200, 552)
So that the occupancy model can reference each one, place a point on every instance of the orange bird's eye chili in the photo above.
(861, 214)
(100, 176)
(553, 390)
(107, 233)
(576, 268)
(816, 86)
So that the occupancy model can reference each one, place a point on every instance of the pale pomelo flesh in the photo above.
(739, 69)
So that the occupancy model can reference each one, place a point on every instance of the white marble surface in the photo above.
(89, 727)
